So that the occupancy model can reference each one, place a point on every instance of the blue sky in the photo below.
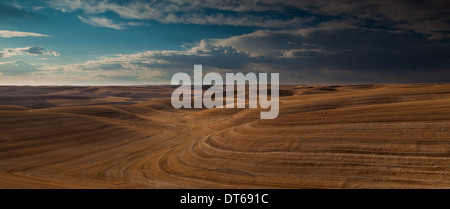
(107, 42)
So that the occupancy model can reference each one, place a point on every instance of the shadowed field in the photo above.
(362, 136)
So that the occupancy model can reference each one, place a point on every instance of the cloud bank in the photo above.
(430, 17)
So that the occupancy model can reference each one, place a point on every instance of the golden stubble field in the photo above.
(361, 136)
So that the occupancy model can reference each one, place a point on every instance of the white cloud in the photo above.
(30, 50)
(304, 52)
(101, 22)
(222, 55)
(280, 43)
(145, 67)
(36, 8)
(189, 12)
(11, 34)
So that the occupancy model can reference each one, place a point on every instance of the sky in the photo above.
(117, 42)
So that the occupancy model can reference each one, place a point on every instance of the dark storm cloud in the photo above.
(346, 54)
(329, 53)
(430, 17)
